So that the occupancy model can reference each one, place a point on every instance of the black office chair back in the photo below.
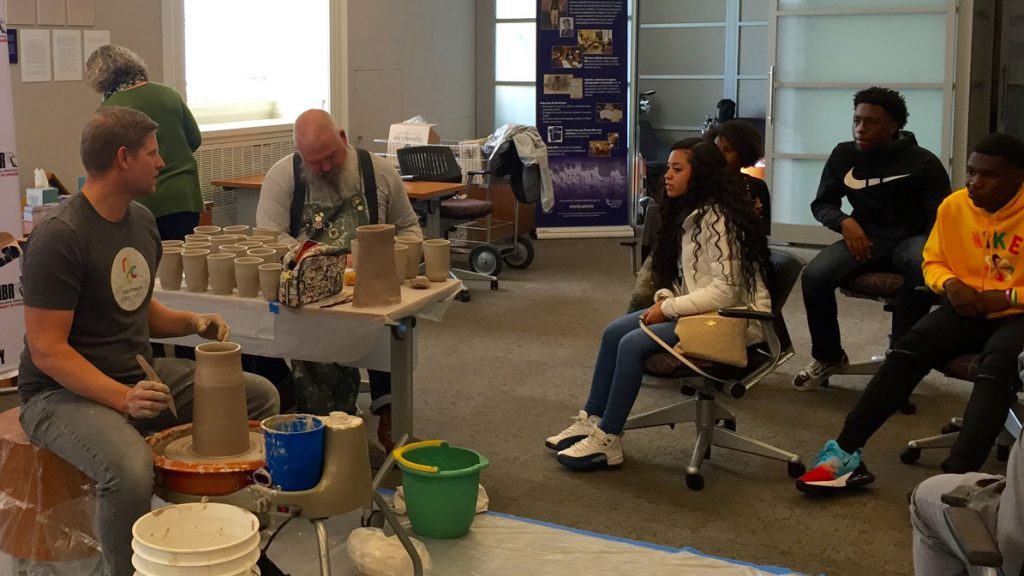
(785, 271)
(430, 163)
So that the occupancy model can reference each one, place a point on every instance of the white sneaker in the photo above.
(599, 450)
(817, 372)
(582, 426)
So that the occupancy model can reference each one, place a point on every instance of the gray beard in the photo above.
(329, 188)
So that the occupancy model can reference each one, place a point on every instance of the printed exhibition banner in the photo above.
(582, 115)
(12, 319)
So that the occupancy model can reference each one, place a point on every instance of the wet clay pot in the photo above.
(220, 427)
(376, 277)
(412, 257)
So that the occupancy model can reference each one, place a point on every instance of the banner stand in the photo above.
(12, 313)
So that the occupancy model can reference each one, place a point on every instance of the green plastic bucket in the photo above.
(440, 483)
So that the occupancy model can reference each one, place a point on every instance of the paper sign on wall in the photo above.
(35, 55)
(21, 12)
(67, 55)
(82, 12)
(52, 13)
(94, 39)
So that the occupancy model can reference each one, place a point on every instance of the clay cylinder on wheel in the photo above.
(376, 277)
(220, 424)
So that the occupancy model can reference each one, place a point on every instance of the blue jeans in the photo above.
(835, 264)
(110, 449)
(619, 368)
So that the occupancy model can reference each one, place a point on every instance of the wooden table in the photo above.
(428, 193)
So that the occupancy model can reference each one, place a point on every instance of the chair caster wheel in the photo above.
(1002, 453)
(824, 383)
(909, 409)
(695, 482)
(729, 425)
(464, 296)
(950, 428)
(909, 454)
(796, 469)
(707, 453)
(688, 391)
(494, 284)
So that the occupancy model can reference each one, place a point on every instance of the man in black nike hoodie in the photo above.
(894, 187)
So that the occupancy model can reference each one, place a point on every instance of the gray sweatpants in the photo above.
(935, 549)
(110, 449)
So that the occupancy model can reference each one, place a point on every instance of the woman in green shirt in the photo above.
(120, 76)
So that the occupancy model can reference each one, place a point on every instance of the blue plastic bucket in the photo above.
(295, 450)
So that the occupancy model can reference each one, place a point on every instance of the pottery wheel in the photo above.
(180, 450)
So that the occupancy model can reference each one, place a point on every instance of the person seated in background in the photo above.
(710, 253)
(973, 259)
(894, 187)
(740, 143)
(742, 146)
(998, 499)
(320, 193)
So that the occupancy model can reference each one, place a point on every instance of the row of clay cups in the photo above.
(231, 243)
(408, 252)
(242, 229)
(256, 269)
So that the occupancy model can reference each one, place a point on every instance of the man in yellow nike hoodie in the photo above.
(974, 258)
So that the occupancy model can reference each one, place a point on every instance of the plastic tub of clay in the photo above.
(196, 539)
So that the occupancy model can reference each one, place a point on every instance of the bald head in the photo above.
(320, 143)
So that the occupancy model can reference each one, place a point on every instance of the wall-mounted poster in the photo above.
(582, 115)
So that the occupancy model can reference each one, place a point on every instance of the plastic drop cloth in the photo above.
(46, 511)
(501, 544)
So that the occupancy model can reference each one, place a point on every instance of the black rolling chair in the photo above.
(438, 164)
(716, 425)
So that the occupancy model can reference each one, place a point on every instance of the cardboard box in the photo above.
(402, 134)
(40, 196)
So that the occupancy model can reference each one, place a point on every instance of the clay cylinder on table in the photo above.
(413, 256)
(220, 424)
(376, 277)
(436, 257)
(170, 268)
(401, 253)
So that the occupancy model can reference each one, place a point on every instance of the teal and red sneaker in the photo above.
(835, 469)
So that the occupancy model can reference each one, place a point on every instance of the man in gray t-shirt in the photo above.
(89, 309)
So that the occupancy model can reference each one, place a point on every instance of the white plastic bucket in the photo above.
(200, 539)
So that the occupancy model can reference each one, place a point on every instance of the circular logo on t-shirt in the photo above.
(129, 279)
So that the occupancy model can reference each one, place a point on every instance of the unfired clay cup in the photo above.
(266, 232)
(235, 249)
(222, 273)
(196, 245)
(413, 256)
(171, 243)
(264, 254)
(208, 230)
(262, 239)
(279, 248)
(217, 241)
(196, 273)
(247, 275)
(270, 280)
(170, 268)
(401, 253)
(237, 229)
(250, 244)
(437, 255)
(197, 237)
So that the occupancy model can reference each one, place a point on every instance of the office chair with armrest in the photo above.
(438, 164)
(716, 425)
(884, 287)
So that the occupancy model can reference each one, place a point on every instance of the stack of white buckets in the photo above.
(201, 539)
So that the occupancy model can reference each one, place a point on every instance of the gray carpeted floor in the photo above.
(509, 368)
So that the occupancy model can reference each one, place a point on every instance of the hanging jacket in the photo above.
(982, 249)
(532, 152)
(894, 190)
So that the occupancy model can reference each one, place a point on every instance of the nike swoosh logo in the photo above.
(856, 184)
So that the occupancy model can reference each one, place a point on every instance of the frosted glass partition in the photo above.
(754, 10)
(515, 9)
(753, 56)
(843, 4)
(664, 50)
(821, 118)
(515, 104)
(800, 179)
(515, 52)
(678, 11)
(836, 48)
